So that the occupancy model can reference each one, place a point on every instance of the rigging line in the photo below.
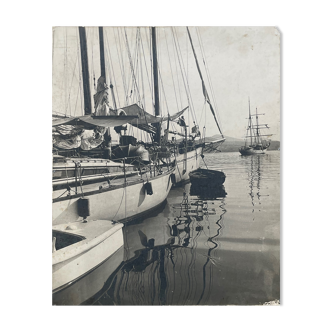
(130, 74)
(188, 76)
(136, 70)
(177, 76)
(131, 65)
(71, 85)
(208, 74)
(134, 96)
(79, 72)
(142, 78)
(124, 69)
(121, 65)
(189, 98)
(110, 66)
(162, 86)
(88, 33)
(130, 70)
(192, 109)
(170, 64)
(63, 86)
(146, 68)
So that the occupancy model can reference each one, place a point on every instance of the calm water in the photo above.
(199, 250)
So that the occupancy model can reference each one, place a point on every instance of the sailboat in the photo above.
(91, 196)
(164, 143)
(189, 152)
(255, 143)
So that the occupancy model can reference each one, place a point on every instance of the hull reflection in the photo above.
(169, 259)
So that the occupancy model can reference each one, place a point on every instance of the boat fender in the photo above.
(83, 208)
(148, 188)
(173, 178)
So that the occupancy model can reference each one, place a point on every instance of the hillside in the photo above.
(233, 144)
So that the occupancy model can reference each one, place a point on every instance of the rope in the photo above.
(64, 82)
(189, 98)
(71, 85)
(208, 75)
(131, 64)
(170, 64)
(121, 64)
(146, 68)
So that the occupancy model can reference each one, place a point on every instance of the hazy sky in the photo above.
(242, 61)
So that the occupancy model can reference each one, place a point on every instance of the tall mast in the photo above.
(155, 82)
(155, 72)
(250, 123)
(102, 53)
(85, 71)
(257, 127)
(107, 135)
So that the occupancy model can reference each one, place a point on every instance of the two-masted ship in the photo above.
(255, 141)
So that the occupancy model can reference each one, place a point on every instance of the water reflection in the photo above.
(174, 265)
(254, 178)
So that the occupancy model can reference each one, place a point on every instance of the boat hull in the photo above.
(119, 204)
(73, 262)
(251, 151)
(184, 167)
(207, 178)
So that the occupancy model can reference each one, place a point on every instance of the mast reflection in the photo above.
(170, 256)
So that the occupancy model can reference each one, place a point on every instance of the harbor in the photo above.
(147, 208)
(196, 250)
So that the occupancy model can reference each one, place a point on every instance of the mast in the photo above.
(250, 123)
(85, 71)
(107, 135)
(257, 126)
(155, 82)
(102, 53)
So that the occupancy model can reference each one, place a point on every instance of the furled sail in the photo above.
(205, 93)
(69, 137)
(101, 98)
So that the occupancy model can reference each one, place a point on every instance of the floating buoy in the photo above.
(83, 207)
(148, 188)
(173, 179)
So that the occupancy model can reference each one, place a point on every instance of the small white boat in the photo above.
(80, 247)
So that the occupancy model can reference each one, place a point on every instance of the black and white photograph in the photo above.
(166, 166)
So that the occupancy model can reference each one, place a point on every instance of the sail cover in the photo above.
(90, 121)
(145, 119)
(85, 131)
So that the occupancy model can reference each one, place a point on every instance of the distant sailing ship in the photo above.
(254, 141)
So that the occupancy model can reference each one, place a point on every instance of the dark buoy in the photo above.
(173, 179)
(148, 188)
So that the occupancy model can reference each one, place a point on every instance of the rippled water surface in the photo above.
(219, 248)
